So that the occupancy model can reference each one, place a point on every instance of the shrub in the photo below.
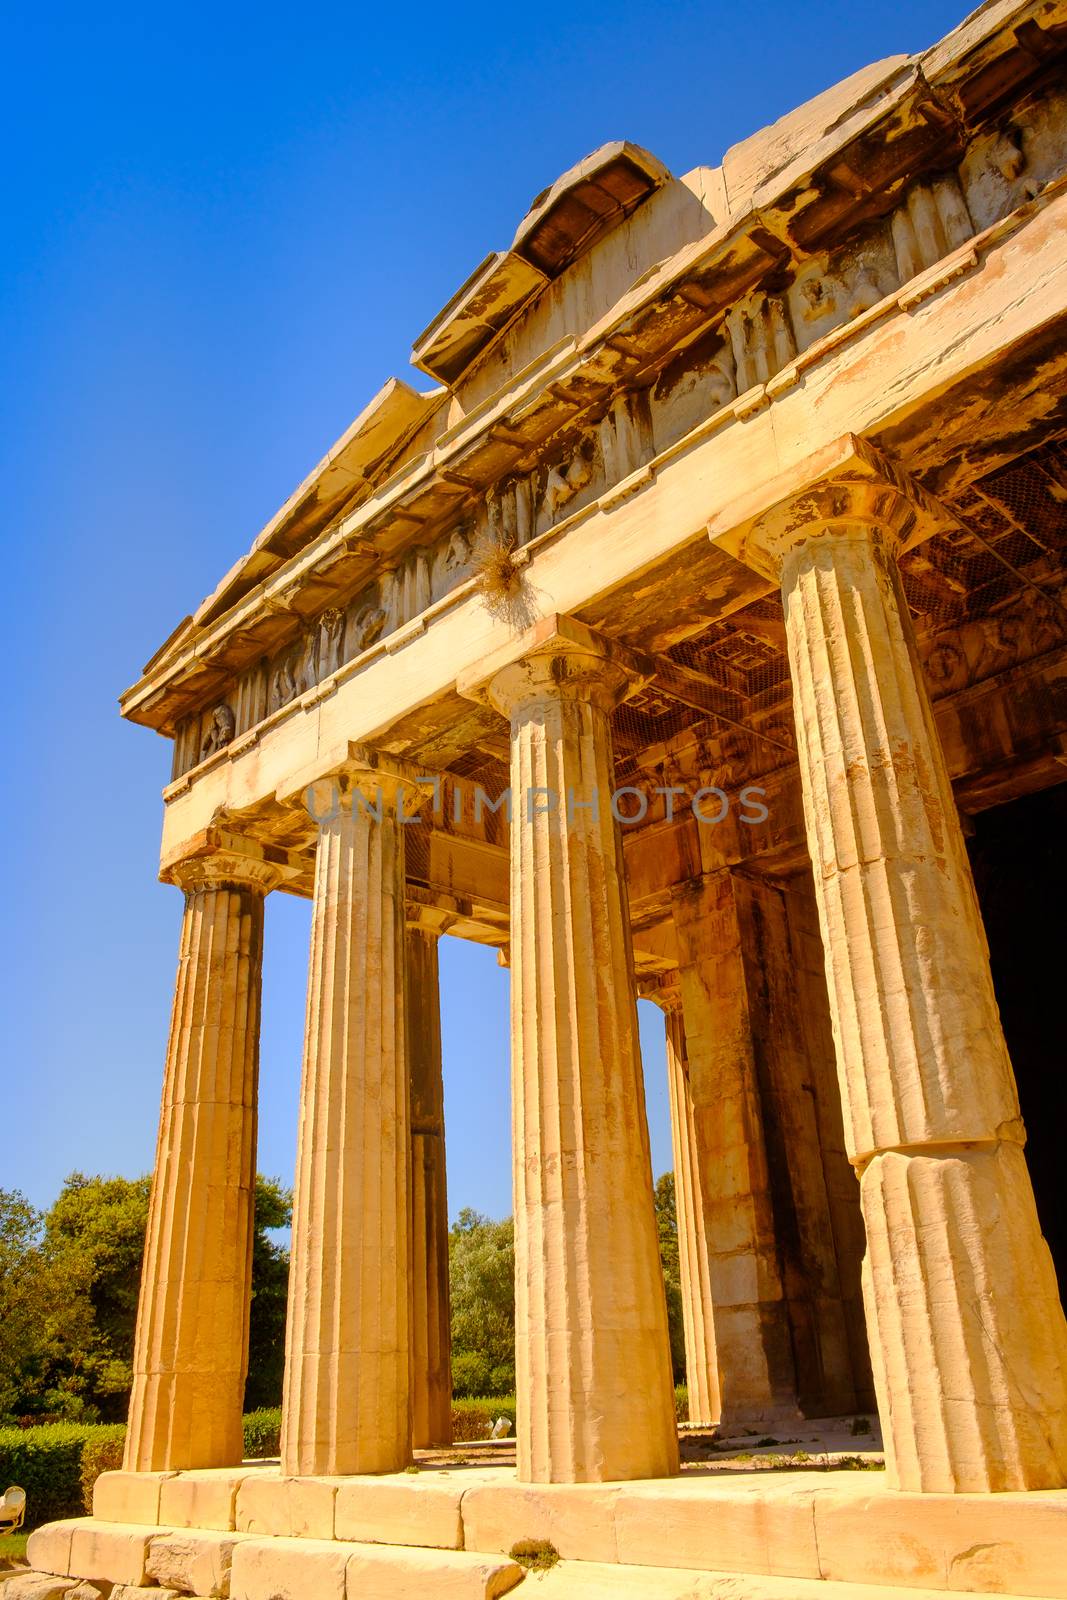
(472, 1418)
(100, 1454)
(58, 1463)
(471, 1373)
(681, 1403)
(534, 1554)
(47, 1463)
(263, 1433)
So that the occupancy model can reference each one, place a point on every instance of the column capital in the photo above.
(430, 921)
(559, 657)
(220, 858)
(848, 489)
(663, 989)
(348, 768)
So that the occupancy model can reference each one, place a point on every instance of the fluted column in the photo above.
(347, 1405)
(968, 1339)
(698, 1312)
(757, 1379)
(431, 1333)
(191, 1348)
(595, 1398)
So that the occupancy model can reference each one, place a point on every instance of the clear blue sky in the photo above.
(222, 228)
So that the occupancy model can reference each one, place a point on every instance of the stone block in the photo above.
(754, 1528)
(35, 1586)
(111, 1550)
(137, 1591)
(317, 1569)
(579, 1519)
(416, 1510)
(92, 1591)
(300, 1508)
(48, 1547)
(1007, 1544)
(391, 1574)
(204, 1499)
(996, 1544)
(128, 1496)
(289, 1569)
(194, 1561)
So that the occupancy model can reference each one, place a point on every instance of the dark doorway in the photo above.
(1020, 868)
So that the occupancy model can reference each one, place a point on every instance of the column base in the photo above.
(969, 1344)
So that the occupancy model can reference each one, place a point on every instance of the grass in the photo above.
(13, 1546)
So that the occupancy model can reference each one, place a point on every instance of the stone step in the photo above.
(838, 1527)
(322, 1569)
(602, 1580)
(247, 1566)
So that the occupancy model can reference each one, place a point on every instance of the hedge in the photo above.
(47, 1462)
(59, 1462)
(263, 1433)
(473, 1419)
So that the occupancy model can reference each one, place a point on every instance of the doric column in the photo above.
(191, 1349)
(595, 1399)
(431, 1334)
(698, 1313)
(757, 1381)
(968, 1339)
(347, 1403)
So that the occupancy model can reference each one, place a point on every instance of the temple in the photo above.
(700, 634)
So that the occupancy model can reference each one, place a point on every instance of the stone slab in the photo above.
(415, 1510)
(579, 1519)
(204, 1499)
(48, 1547)
(735, 1526)
(444, 1574)
(128, 1496)
(314, 1569)
(289, 1569)
(34, 1586)
(113, 1550)
(193, 1561)
(995, 1544)
(132, 1591)
(300, 1508)
(588, 1580)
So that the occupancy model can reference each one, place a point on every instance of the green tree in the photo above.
(94, 1239)
(25, 1301)
(481, 1261)
(270, 1287)
(667, 1228)
(69, 1285)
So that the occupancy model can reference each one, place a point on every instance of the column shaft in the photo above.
(347, 1385)
(191, 1349)
(595, 1398)
(755, 1360)
(698, 1314)
(968, 1340)
(431, 1333)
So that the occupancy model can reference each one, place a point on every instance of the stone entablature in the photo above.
(610, 459)
(720, 328)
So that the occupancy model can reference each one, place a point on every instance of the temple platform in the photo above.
(751, 1532)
